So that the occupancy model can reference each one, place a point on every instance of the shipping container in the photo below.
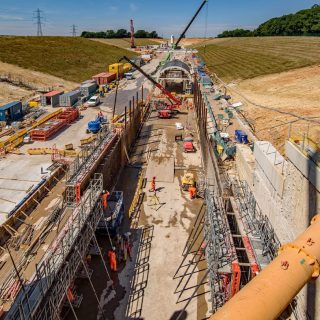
(88, 81)
(11, 111)
(105, 78)
(88, 89)
(116, 68)
(51, 98)
(69, 99)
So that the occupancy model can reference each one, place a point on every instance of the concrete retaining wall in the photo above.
(305, 165)
(289, 196)
(270, 163)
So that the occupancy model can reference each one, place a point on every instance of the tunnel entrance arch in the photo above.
(175, 76)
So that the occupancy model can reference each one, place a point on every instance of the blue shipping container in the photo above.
(11, 111)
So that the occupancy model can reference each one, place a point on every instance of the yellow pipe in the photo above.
(267, 295)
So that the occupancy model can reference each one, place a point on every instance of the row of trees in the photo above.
(304, 22)
(120, 33)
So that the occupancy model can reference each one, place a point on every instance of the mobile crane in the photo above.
(175, 103)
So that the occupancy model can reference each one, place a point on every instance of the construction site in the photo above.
(144, 193)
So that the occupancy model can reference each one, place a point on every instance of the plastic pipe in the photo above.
(268, 294)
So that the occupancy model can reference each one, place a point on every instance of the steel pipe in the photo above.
(267, 295)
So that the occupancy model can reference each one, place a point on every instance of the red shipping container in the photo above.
(104, 78)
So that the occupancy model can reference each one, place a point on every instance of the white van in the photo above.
(94, 101)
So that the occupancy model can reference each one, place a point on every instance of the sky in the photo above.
(164, 16)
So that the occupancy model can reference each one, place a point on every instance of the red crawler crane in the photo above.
(132, 34)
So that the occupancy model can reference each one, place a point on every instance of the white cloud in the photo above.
(114, 8)
(133, 7)
(11, 17)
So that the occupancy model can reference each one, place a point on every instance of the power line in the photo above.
(39, 18)
(74, 30)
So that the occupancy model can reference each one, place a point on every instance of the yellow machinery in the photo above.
(34, 104)
(188, 181)
(127, 67)
(268, 294)
(116, 68)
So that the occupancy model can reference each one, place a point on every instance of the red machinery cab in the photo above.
(188, 146)
(165, 114)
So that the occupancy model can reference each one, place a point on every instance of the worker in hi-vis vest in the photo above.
(104, 199)
(112, 259)
(153, 185)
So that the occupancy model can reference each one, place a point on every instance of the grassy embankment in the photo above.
(71, 58)
(125, 43)
(244, 58)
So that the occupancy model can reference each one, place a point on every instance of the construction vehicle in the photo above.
(188, 145)
(175, 103)
(183, 34)
(129, 76)
(93, 101)
(165, 114)
(188, 181)
(96, 125)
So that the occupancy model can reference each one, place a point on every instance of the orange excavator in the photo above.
(167, 110)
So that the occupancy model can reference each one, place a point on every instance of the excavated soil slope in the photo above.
(296, 91)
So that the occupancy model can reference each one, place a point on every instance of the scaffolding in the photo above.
(255, 222)
(220, 253)
(42, 297)
(84, 164)
(210, 240)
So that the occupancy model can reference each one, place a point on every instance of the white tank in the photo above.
(172, 40)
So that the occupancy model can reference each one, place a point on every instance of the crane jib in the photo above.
(190, 23)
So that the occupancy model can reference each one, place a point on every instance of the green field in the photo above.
(244, 58)
(125, 43)
(71, 58)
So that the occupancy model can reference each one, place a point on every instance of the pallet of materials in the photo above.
(47, 130)
(69, 99)
(69, 115)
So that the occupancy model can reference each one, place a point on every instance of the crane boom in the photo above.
(190, 23)
(132, 34)
(168, 94)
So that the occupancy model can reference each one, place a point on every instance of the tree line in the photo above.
(303, 23)
(120, 33)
